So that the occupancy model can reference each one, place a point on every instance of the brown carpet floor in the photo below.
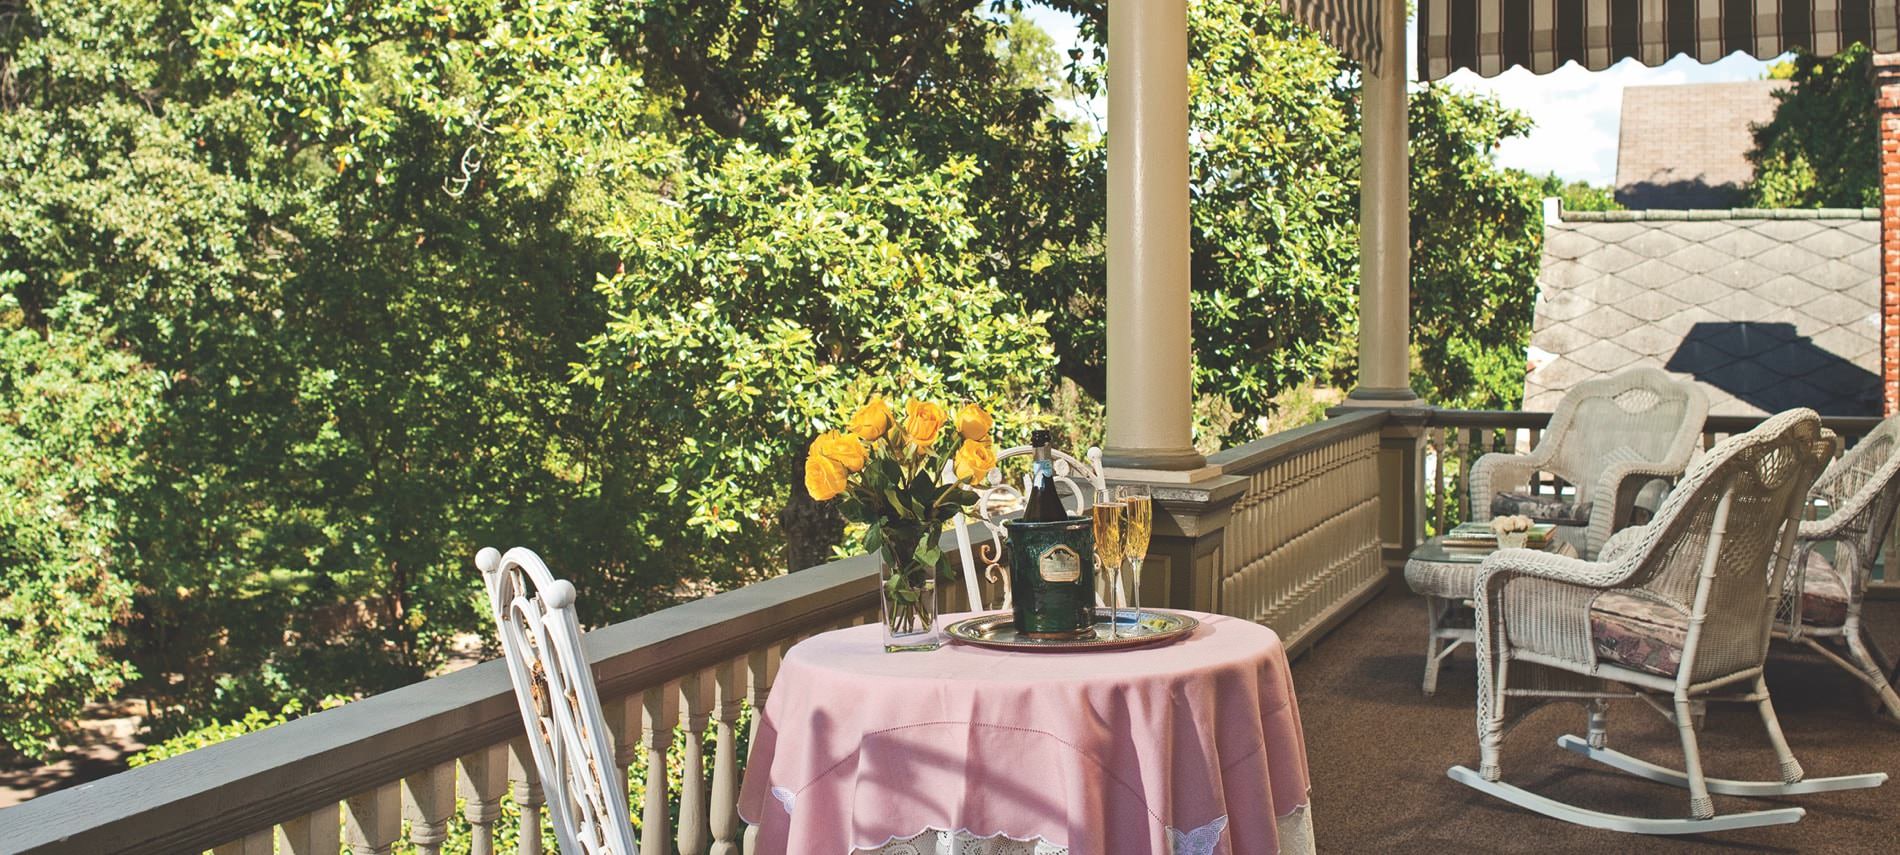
(1378, 751)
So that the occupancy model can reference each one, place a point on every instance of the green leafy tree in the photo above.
(1579, 195)
(1477, 237)
(422, 276)
(1821, 148)
(72, 409)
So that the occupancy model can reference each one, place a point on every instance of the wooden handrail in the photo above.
(1847, 426)
(1267, 450)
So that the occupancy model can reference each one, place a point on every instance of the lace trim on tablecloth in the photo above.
(938, 841)
(1295, 839)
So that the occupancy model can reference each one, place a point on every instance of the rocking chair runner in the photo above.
(1610, 438)
(1822, 603)
(1681, 608)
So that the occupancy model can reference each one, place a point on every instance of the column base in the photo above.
(1382, 398)
(1167, 459)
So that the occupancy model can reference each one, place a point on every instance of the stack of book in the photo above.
(1479, 534)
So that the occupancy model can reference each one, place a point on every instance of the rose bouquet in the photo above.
(888, 475)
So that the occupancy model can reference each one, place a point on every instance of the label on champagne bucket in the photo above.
(1060, 564)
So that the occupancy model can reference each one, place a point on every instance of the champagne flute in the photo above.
(1138, 516)
(1106, 517)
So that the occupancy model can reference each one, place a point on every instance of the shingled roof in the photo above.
(1686, 145)
(1767, 309)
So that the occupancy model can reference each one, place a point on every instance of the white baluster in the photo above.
(373, 820)
(319, 832)
(483, 778)
(725, 785)
(623, 730)
(762, 668)
(428, 800)
(528, 794)
(657, 736)
(255, 843)
(695, 707)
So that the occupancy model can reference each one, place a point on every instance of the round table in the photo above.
(1188, 747)
(1446, 576)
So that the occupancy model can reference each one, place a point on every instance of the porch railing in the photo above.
(357, 773)
(1302, 547)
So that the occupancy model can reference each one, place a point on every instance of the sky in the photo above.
(1576, 111)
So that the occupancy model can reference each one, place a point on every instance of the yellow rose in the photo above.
(873, 420)
(924, 421)
(975, 459)
(974, 424)
(843, 449)
(824, 479)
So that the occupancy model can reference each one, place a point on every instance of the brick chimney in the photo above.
(1887, 87)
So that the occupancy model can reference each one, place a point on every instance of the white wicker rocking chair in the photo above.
(555, 687)
(1706, 576)
(995, 498)
(1822, 604)
(1610, 438)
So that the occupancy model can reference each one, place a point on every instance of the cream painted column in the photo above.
(1385, 258)
(1149, 330)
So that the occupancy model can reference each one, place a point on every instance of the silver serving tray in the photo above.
(998, 630)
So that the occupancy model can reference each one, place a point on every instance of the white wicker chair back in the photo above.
(1643, 414)
(1719, 546)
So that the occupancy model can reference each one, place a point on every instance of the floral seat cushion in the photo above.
(1638, 633)
(1545, 509)
(1823, 593)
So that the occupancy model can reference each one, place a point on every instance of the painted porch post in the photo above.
(1384, 214)
(1150, 333)
(1385, 289)
(1149, 376)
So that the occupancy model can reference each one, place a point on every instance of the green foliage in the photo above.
(790, 284)
(338, 293)
(1579, 195)
(1275, 207)
(1821, 148)
(1477, 237)
(72, 409)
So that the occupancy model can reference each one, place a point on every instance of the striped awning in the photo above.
(1490, 36)
(1352, 26)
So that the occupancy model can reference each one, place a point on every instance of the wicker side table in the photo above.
(1445, 576)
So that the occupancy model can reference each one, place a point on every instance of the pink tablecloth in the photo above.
(1198, 740)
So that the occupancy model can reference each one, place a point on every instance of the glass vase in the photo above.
(1513, 540)
(908, 591)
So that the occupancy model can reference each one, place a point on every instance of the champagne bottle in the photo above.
(1044, 505)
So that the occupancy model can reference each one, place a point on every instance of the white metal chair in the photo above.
(1679, 609)
(554, 685)
(1609, 438)
(1822, 603)
(995, 498)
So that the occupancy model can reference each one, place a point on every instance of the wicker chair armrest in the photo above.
(1539, 564)
(1614, 497)
(1834, 526)
(1497, 472)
